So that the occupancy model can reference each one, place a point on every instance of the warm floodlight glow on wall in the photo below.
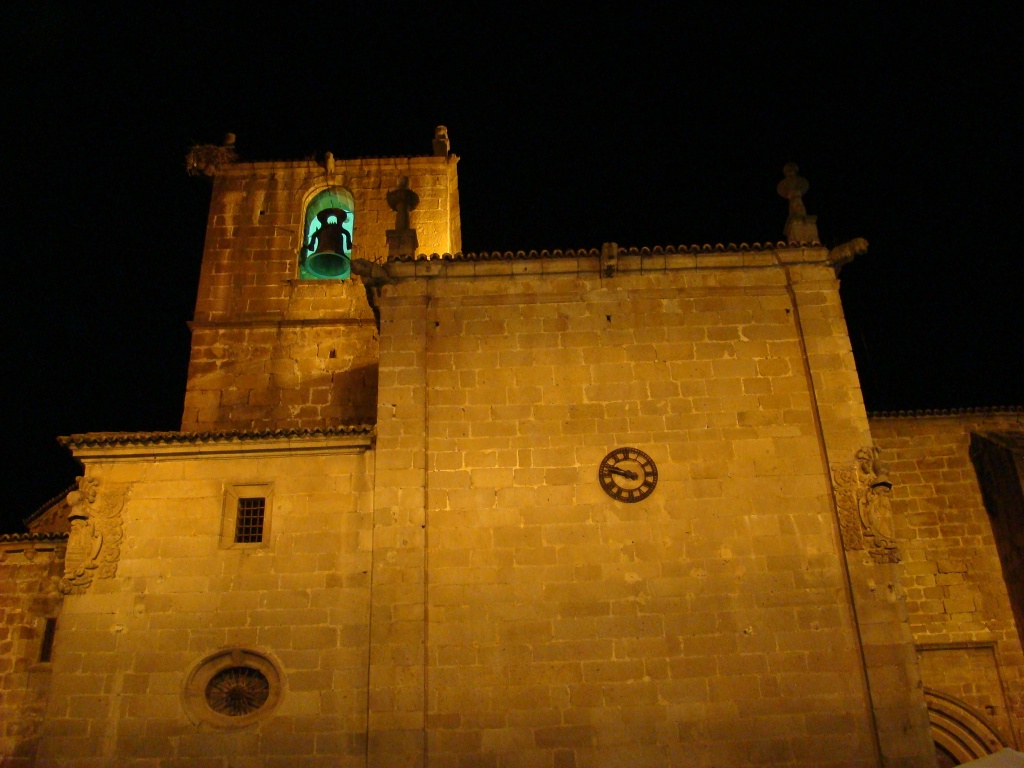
(326, 252)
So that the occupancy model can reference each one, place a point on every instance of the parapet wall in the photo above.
(255, 230)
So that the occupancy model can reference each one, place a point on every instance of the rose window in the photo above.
(237, 691)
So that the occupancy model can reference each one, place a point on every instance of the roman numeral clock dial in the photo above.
(628, 475)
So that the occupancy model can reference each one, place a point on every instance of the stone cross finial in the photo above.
(800, 228)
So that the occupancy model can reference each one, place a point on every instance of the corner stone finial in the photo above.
(442, 146)
(800, 228)
(609, 259)
(206, 158)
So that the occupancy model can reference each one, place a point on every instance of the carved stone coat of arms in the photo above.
(94, 541)
(863, 496)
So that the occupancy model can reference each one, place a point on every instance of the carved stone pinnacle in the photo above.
(442, 146)
(800, 228)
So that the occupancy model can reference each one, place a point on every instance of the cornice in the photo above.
(7, 538)
(126, 445)
(576, 253)
(50, 503)
(994, 410)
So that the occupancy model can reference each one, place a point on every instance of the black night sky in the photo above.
(605, 123)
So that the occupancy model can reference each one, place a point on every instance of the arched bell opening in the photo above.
(326, 252)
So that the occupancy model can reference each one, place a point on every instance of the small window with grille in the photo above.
(249, 522)
(246, 521)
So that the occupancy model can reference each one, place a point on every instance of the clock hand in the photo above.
(623, 473)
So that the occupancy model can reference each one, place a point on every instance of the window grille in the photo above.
(249, 523)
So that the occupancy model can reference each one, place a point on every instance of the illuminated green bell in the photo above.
(325, 251)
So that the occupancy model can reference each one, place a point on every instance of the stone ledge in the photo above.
(994, 410)
(114, 445)
(248, 167)
(264, 322)
(7, 538)
(508, 263)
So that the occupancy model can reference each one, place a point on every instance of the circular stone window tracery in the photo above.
(232, 688)
(237, 691)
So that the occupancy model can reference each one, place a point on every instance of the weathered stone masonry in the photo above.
(432, 573)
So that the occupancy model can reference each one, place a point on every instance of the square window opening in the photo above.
(249, 520)
(247, 515)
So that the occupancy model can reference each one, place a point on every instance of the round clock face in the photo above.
(628, 474)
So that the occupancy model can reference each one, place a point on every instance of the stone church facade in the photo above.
(559, 509)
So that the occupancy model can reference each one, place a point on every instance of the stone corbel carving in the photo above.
(863, 496)
(94, 541)
(374, 277)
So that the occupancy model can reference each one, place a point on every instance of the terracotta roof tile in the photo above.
(7, 537)
(50, 503)
(99, 439)
(987, 410)
(318, 160)
(570, 253)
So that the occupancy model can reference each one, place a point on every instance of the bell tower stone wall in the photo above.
(271, 351)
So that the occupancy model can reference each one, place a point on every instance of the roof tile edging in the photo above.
(50, 503)
(100, 439)
(571, 253)
(989, 410)
(6, 538)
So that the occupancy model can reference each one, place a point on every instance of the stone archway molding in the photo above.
(960, 729)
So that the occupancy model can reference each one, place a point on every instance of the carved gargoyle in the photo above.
(94, 541)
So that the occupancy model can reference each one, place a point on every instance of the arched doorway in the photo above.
(961, 733)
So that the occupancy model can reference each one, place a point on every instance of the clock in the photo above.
(628, 475)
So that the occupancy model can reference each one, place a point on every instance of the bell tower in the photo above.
(284, 336)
